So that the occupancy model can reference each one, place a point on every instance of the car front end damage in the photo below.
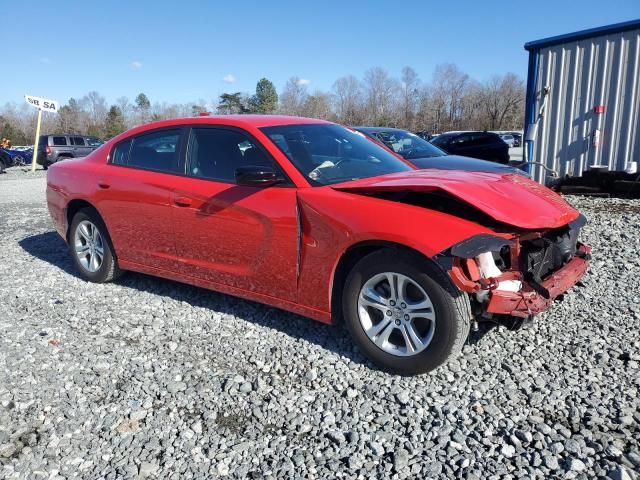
(511, 277)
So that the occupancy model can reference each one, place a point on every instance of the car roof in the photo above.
(379, 129)
(246, 120)
(67, 135)
(240, 121)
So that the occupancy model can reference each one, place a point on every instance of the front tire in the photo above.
(404, 313)
(91, 249)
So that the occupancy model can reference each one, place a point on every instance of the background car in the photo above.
(426, 135)
(508, 139)
(482, 145)
(423, 154)
(18, 156)
(5, 161)
(317, 219)
(517, 139)
(54, 148)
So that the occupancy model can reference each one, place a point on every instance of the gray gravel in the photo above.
(149, 378)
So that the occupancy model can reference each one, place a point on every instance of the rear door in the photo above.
(492, 147)
(241, 236)
(463, 145)
(60, 147)
(80, 148)
(135, 193)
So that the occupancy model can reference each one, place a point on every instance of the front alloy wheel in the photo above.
(403, 312)
(396, 314)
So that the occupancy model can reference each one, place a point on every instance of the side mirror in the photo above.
(254, 176)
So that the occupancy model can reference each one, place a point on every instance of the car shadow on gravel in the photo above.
(49, 247)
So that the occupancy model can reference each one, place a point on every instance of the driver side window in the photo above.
(216, 153)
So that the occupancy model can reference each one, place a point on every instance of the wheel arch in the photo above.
(64, 156)
(73, 207)
(350, 257)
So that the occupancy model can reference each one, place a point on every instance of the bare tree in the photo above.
(449, 88)
(347, 94)
(451, 101)
(409, 95)
(318, 105)
(381, 92)
(502, 98)
(126, 108)
(293, 97)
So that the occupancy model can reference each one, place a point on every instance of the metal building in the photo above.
(583, 101)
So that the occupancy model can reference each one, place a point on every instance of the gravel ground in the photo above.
(151, 378)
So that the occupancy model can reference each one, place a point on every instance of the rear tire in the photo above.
(426, 323)
(91, 248)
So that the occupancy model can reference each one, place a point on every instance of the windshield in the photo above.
(407, 144)
(328, 153)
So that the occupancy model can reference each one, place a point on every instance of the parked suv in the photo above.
(483, 145)
(53, 148)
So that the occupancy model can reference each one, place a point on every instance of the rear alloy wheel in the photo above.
(404, 313)
(91, 247)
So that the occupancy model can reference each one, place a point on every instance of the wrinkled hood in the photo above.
(457, 162)
(511, 199)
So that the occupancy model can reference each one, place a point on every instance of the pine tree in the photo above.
(266, 98)
(114, 124)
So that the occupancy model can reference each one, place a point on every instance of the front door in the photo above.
(241, 236)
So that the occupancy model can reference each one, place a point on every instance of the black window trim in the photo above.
(179, 165)
(185, 133)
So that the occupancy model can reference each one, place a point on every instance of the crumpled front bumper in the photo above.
(531, 300)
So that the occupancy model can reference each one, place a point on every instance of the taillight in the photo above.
(47, 149)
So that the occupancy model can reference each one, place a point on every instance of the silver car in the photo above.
(508, 139)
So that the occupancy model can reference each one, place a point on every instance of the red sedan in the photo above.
(312, 217)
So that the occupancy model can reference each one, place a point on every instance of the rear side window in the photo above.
(486, 139)
(78, 141)
(462, 140)
(215, 154)
(158, 151)
(120, 154)
(60, 141)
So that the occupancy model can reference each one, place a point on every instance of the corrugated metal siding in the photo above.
(603, 70)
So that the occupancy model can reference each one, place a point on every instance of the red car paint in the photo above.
(280, 245)
(511, 199)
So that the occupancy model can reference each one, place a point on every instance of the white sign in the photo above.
(42, 103)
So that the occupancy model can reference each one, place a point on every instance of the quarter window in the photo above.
(120, 154)
(215, 153)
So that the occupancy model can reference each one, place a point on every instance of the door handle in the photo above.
(104, 185)
(182, 201)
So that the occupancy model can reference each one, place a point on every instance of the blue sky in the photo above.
(187, 50)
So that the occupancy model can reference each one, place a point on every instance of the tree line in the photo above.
(451, 100)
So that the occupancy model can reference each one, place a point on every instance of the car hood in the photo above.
(457, 162)
(511, 199)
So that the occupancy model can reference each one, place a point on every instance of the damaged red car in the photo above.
(311, 217)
